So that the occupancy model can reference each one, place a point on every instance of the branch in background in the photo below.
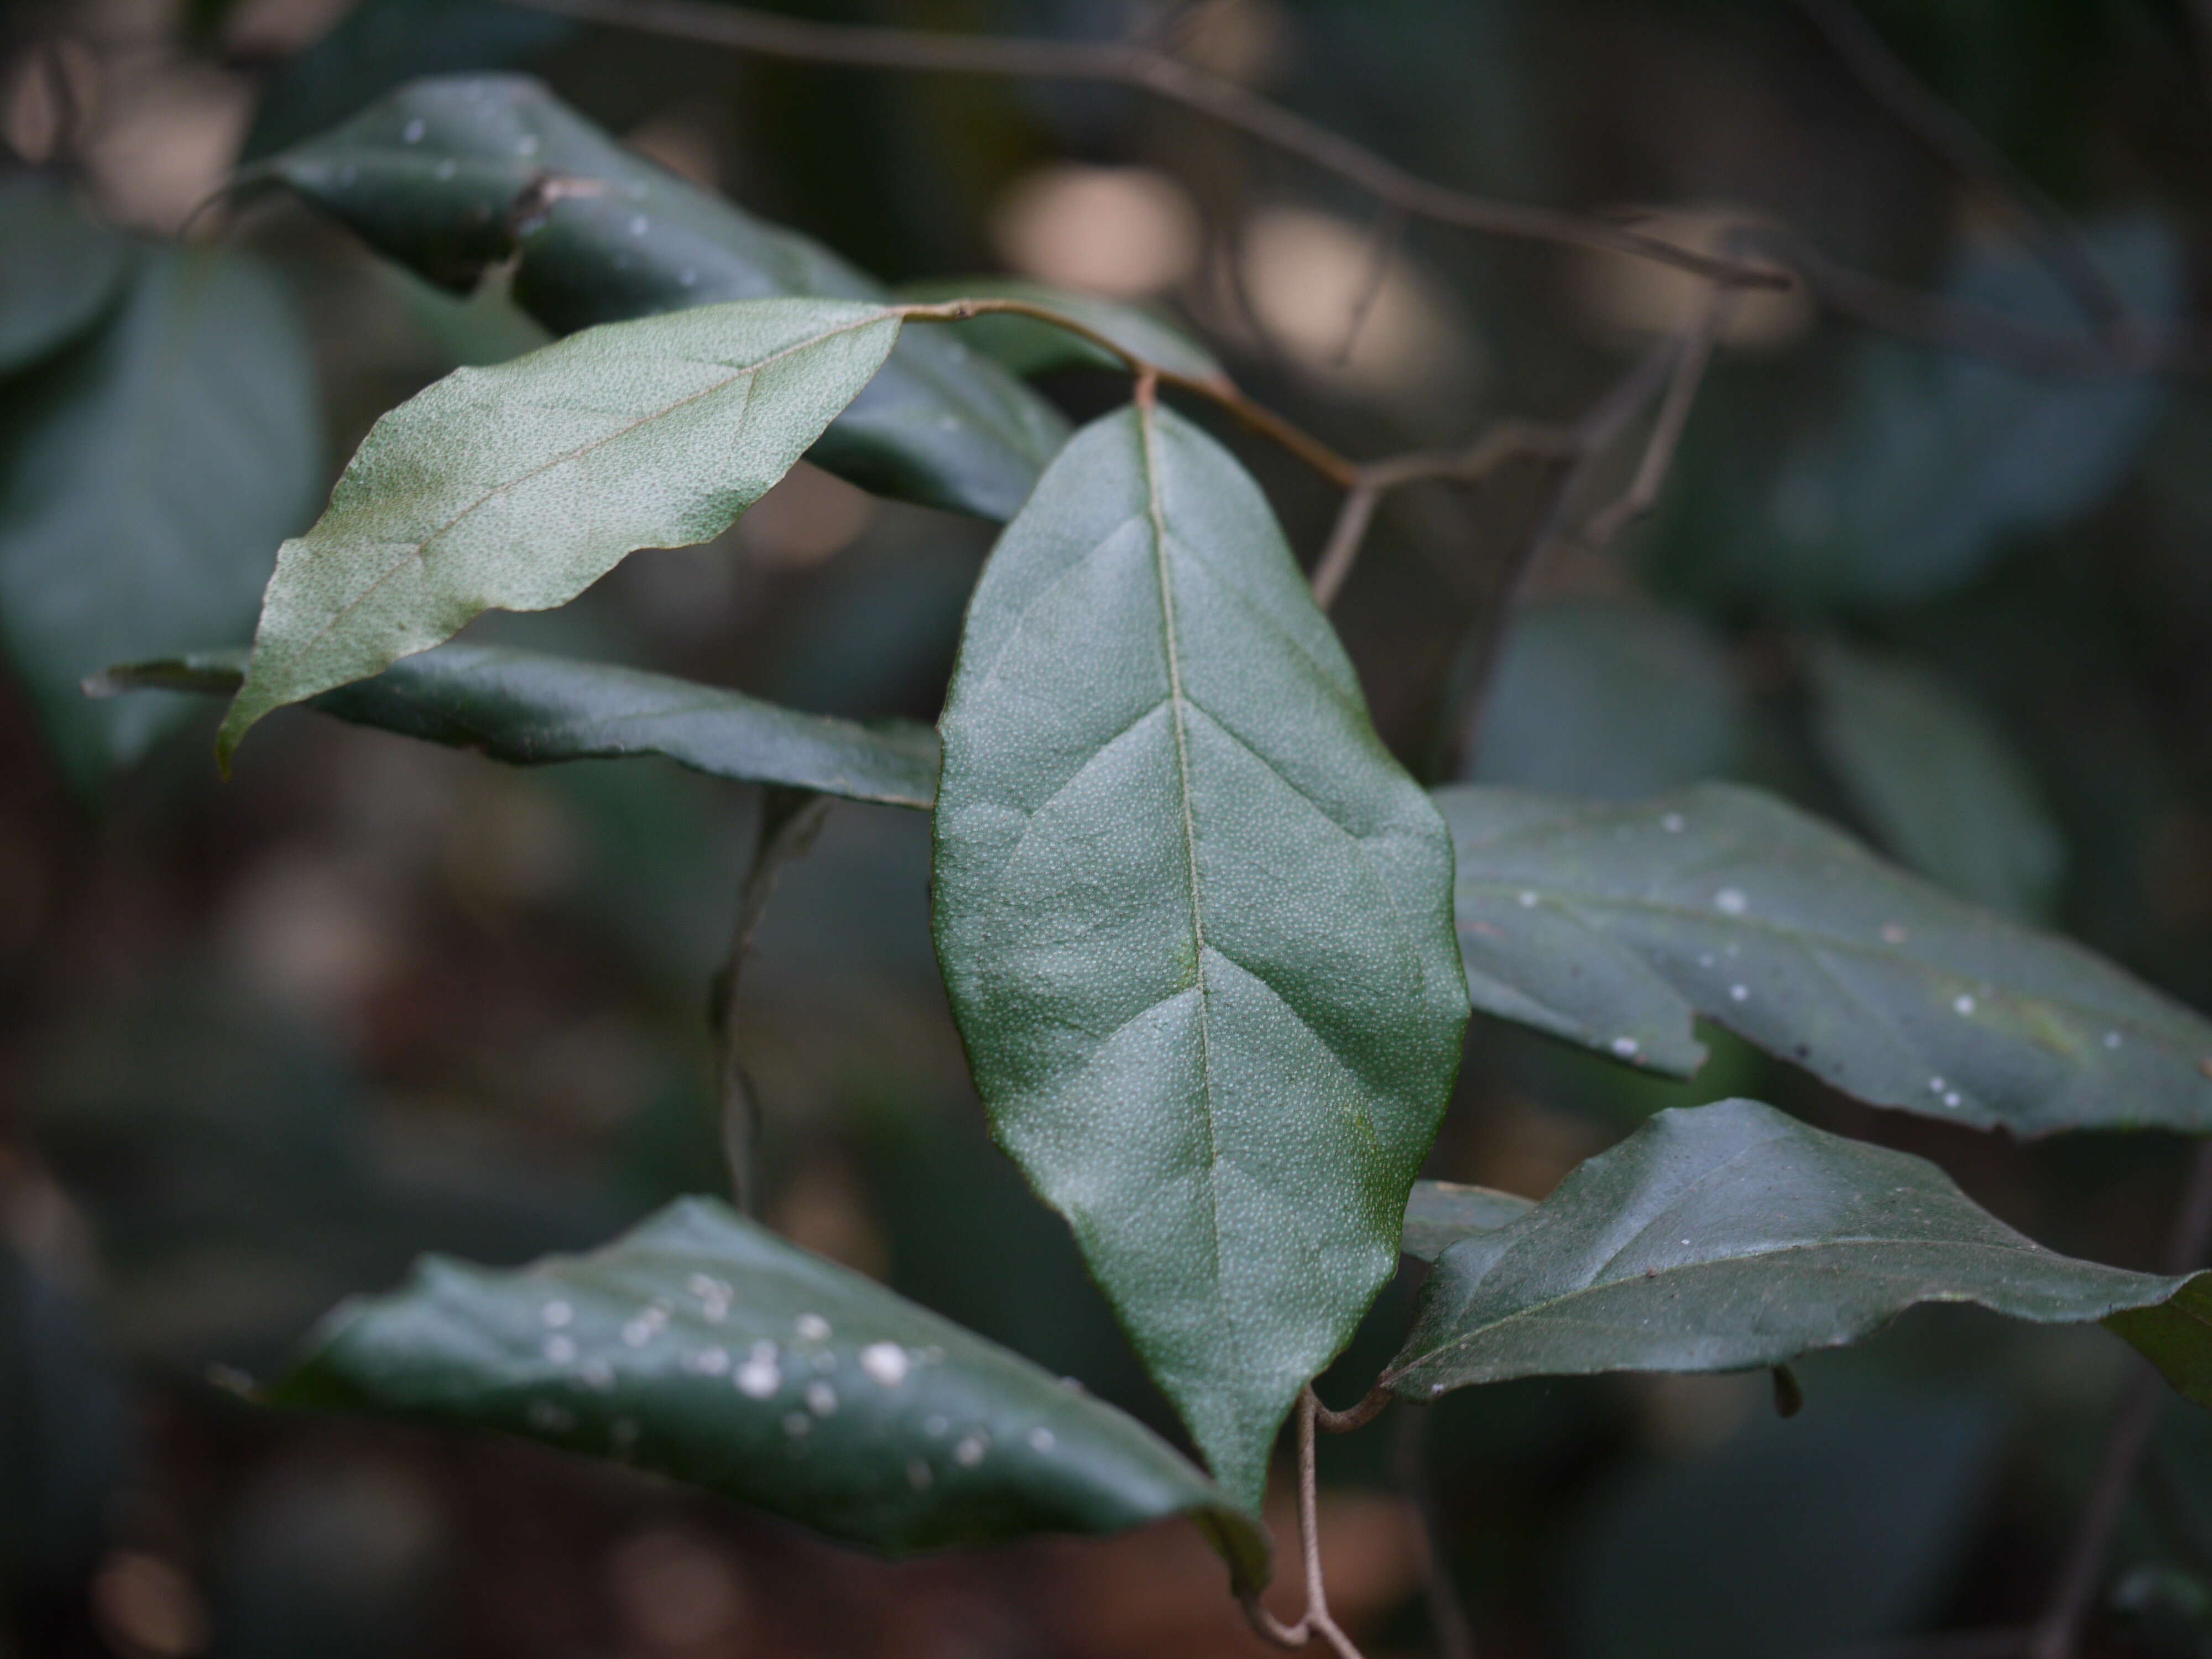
(2059, 1632)
(1588, 440)
(1691, 357)
(789, 821)
(1383, 243)
(1144, 69)
(1957, 142)
(1869, 299)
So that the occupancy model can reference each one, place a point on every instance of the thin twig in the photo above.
(1960, 145)
(1689, 373)
(789, 821)
(1506, 441)
(1447, 1616)
(1317, 1621)
(2059, 1631)
(1383, 243)
(1217, 388)
(1344, 537)
(1144, 69)
(1588, 442)
(1950, 323)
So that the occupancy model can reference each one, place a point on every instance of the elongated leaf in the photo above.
(62, 270)
(454, 175)
(519, 485)
(1613, 925)
(1193, 920)
(1936, 781)
(1720, 1237)
(1029, 346)
(705, 1347)
(1440, 1214)
(145, 473)
(529, 710)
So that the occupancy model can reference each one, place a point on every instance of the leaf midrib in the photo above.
(2026, 1248)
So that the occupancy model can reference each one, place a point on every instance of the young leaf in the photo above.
(145, 472)
(704, 1347)
(1937, 783)
(530, 710)
(1725, 1237)
(1029, 346)
(1195, 922)
(66, 267)
(519, 485)
(1440, 1214)
(451, 176)
(1613, 925)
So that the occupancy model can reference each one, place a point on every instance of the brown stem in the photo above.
(1342, 549)
(1691, 357)
(1960, 145)
(2059, 1631)
(1389, 226)
(1317, 1621)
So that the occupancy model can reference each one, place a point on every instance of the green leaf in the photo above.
(519, 485)
(2176, 1336)
(1937, 780)
(703, 1347)
(529, 710)
(64, 269)
(1193, 921)
(1725, 1237)
(1939, 457)
(1605, 698)
(1440, 1214)
(1613, 925)
(145, 472)
(453, 176)
(1029, 346)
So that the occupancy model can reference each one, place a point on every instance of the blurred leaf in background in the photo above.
(1938, 781)
(146, 474)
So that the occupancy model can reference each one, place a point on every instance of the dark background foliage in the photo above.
(260, 1042)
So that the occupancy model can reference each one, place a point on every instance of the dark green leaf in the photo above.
(62, 269)
(1440, 1214)
(1936, 781)
(380, 44)
(519, 485)
(1192, 916)
(1602, 698)
(146, 474)
(705, 1347)
(1612, 925)
(452, 176)
(530, 710)
(1028, 346)
(2176, 1336)
(1725, 1237)
(1939, 456)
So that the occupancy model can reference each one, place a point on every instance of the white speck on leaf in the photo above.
(560, 1351)
(813, 1328)
(1730, 901)
(885, 1362)
(1672, 823)
(970, 1452)
(820, 1398)
(1964, 1005)
(557, 1313)
(758, 1378)
(1738, 993)
(711, 1362)
(1894, 934)
(1042, 1440)
(412, 132)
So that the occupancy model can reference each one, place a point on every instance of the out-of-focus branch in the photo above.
(1958, 144)
(1688, 374)
(1149, 69)
(1146, 69)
